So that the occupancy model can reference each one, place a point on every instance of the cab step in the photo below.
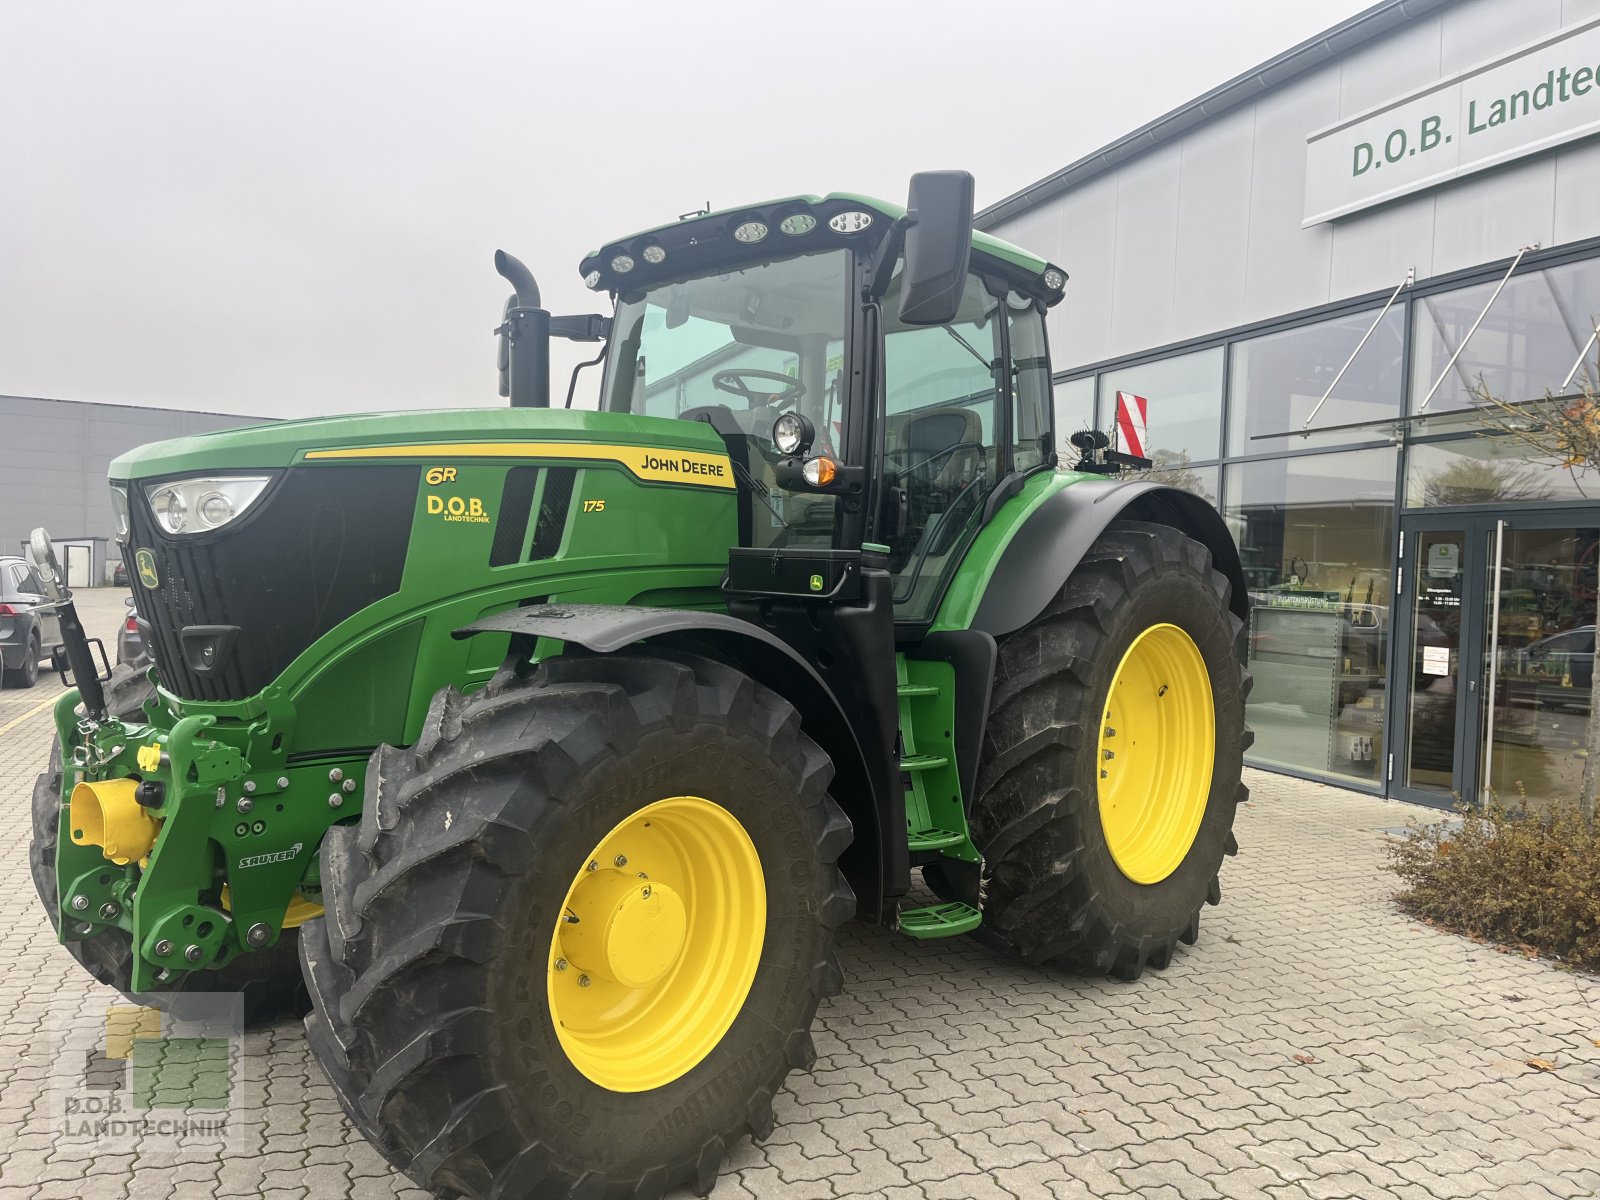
(939, 920)
(923, 762)
(933, 839)
(917, 689)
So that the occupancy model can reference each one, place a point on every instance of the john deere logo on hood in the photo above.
(146, 562)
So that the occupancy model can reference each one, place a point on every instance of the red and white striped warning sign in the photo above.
(1131, 414)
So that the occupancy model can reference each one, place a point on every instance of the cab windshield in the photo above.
(738, 349)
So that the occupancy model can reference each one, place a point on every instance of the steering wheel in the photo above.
(734, 382)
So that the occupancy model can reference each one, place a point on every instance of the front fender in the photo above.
(768, 660)
(1049, 539)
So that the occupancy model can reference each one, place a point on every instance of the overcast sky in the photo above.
(290, 208)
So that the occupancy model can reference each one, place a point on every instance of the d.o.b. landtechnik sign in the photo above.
(1529, 100)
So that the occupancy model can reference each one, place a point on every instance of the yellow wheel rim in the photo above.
(1156, 748)
(657, 944)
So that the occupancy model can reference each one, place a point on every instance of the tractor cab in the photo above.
(880, 376)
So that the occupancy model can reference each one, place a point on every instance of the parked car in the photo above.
(27, 631)
(1558, 671)
(130, 640)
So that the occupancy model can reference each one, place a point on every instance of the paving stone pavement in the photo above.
(1314, 1045)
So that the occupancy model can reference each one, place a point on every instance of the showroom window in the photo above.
(1183, 405)
(1074, 400)
(1530, 338)
(1277, 381)
(1314, 535)
(1489, 470)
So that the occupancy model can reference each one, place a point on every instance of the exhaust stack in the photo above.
(524, 338)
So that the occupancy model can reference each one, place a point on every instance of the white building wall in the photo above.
(1203, 233)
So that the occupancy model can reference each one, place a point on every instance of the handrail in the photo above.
(1494, 652)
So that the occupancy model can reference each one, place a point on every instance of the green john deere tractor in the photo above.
(540, 752)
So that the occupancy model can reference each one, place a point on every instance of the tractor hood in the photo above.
(286, 443)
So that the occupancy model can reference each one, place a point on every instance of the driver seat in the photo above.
(925, 432)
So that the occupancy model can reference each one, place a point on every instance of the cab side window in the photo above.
(1030, 383)
(941, 402)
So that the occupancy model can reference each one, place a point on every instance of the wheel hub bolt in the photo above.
(110, 911)
(335, 800)
(561, 964)
(163, 948)
(250, 786)
(1162, 690)
(621, 860)
(258, 934)
(1110, 754)
(283, 781)
(583, 981)
(79, 903)
(349, 785)
(193, 953)
(335, 775)
(593, 866)
(1110, 732)
(245, 804)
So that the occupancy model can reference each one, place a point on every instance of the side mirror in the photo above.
(938, 246)
(45, 565)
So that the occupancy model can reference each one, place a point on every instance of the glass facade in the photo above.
(1278, 381)
(1528, 342)
(1314, 535)
(1186, 392)
(1311, 437)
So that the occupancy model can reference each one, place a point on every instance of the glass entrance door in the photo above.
(1539, 659)
(1437, 608)
(1494, 640)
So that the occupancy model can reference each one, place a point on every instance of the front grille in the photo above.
(323, 543)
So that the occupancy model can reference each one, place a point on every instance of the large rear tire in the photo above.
(1111, 768)
(579, 937)
(269, 980)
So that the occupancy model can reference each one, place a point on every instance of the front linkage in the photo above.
(195, 835)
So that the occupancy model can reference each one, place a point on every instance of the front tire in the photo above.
(1112, 763)
(448, 976)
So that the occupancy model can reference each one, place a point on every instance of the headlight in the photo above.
(792, 434)
(119, 510)
(187, 506)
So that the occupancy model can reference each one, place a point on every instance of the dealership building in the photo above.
(1314, 276)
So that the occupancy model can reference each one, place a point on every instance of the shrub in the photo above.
(1518, 876)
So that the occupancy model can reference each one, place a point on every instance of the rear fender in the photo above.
(606, 629)
(1051, 542)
